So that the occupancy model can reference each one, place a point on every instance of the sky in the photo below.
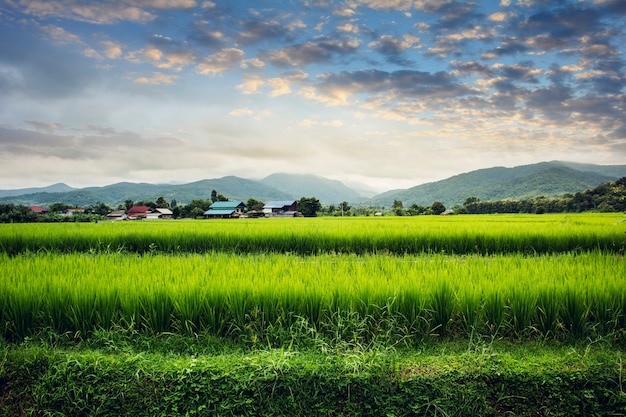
(388, 93)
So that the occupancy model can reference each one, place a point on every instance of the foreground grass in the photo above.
(112, 374)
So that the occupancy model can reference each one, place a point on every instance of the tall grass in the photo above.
(398, 235)
(264, 297)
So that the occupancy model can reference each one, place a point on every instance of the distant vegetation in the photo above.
(608, 197)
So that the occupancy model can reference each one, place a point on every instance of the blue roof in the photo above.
(220, 205)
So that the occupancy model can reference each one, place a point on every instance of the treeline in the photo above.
(608, 197)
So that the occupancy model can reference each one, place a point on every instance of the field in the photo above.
(372, 292)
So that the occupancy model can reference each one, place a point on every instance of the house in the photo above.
(225, 210)
(285, 208)
(71, 211)
(38, 210)
(159, 213)
(138, 212)
(117, 215)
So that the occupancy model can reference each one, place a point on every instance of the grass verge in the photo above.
(172, 375)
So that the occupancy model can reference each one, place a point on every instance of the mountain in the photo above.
(325, 190)
(234, 188)
(54, 188)
(548, 179)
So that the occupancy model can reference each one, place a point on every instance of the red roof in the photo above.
(137, 210)
(37, 209)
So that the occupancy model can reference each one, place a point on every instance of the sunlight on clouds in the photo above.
(112, 50)
(500, 16)
(252, 64)
(280, 86)
(156, 78)
(97, 13)
(314, 123)
(220, 62)
(251, 84)
(60, 34)
(240, 112)
(166, 4)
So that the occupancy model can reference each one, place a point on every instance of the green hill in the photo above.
(548, 179)
(234, 188)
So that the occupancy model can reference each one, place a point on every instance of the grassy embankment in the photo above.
(315, 317)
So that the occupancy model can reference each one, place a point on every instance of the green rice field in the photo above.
(357, 280)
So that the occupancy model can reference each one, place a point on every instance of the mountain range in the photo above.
(548, 179)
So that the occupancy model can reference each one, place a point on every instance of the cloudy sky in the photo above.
(391, 93)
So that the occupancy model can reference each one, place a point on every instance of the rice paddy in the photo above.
(352, 280)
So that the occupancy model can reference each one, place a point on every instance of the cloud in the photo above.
(240, 112)
(92, 12)
(318, 51)
(471, 67)
(260, 30)
(45, 70)
(220, 62)
(393, 47)
(112, 50)
(156, 78)
(406, 84)
(523, 71)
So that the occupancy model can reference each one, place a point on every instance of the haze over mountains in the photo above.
(548, 179)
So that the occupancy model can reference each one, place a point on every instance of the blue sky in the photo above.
(390, 93)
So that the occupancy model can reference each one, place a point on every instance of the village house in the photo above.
(117, 215)
(38, 210)
(71, 211)
(225, 210)
(285, 208)
(138, 212)
(159, 214)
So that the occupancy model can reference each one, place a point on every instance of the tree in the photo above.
(438, 207)
(161, 202)
(471, 200)
(128, 204)
(308, 206)
(344, 207)
(101, 209)
(254, 204)
(57, 207)
(213, 196)
(398, 208)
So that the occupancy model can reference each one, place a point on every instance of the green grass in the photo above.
(309, 236)
(428, 316)
(262, 296)
(134, 375)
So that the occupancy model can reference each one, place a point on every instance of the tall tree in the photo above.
(308, 206)
(438, 207)
(344, 207)
(161, 202)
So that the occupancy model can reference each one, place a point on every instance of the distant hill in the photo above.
(548, 179)
(325, 190)
(234, 188)
(54, 188)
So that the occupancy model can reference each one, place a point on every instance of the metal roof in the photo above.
(226, 205)
(279, 204)
(211, 212)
